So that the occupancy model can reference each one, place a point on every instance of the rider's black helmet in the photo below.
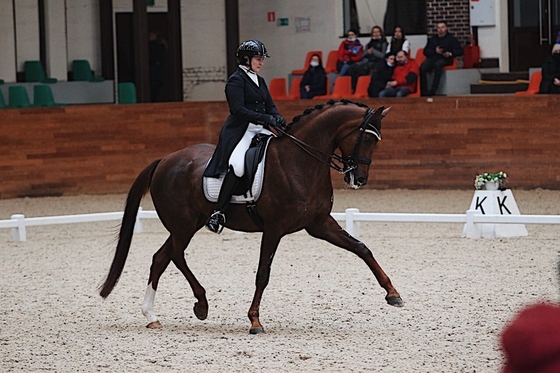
(249, 49)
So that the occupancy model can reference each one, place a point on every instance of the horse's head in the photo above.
(357, 146)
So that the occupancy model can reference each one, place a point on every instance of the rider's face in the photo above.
(256, 63)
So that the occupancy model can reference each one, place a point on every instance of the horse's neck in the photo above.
(320, 131)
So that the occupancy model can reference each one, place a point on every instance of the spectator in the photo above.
(382, 73)
(374, 52)
(398, 42)
(550, 82)
(440, 51)
(405, 77)
(157, 49)
(314, 81)
(350, 51)
(531, 342)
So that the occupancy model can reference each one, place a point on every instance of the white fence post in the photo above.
(472, 230)
(138, 224)
(351, 228)
(19, 234)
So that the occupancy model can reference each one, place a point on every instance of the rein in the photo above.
(351, 162)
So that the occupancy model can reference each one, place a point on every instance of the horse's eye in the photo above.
(367, 139)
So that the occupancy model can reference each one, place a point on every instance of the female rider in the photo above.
(252, 111)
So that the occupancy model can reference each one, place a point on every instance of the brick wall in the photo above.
(454, 12)
(95, 149)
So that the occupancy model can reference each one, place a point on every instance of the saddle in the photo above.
(250, 187)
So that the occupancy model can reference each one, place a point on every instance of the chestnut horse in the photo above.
(297, 194)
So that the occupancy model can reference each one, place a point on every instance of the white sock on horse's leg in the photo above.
(148, 304)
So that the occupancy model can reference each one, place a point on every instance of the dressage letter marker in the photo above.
(495, 202)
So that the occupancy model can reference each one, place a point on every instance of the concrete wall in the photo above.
(7, 43)
(73, 33)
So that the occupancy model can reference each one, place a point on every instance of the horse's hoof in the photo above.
(256, 331)
(154, 325)
(395, 301)
(200, 314)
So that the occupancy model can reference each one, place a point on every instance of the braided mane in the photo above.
(321, 106)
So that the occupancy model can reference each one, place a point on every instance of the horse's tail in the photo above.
(139, 188)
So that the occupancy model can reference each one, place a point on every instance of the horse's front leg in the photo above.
(328, 229)
(269, 244)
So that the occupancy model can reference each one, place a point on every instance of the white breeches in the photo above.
(237, 159)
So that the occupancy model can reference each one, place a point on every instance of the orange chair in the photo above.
(534, 85)
(277, 88)
(421, 58)
(362, 87)
(294, 93)
(307, 60)
(332, 58)
(342, 88)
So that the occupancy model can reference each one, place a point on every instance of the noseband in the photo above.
(351, 162)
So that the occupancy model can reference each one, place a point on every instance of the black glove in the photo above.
(280, 121)
(272, 122)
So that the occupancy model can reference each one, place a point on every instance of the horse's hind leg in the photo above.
(201, 305)
(160, 261)
(171, 250)
(329, 230)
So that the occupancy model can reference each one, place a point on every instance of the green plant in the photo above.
(481, 179)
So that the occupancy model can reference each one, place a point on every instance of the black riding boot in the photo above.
(217, 220)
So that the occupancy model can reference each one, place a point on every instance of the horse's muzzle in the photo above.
(355, 182)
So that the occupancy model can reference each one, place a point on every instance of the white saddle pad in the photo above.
(211, 185)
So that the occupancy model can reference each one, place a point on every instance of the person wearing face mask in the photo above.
(405, 76)
(374, 52)
(382, 73)
(398, 42)
(550, 82)
(314, 81)
(252, 111)
(349, 52)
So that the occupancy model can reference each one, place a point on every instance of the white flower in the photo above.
(481, 179)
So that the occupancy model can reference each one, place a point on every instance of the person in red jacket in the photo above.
(405, 77)
(350, 51)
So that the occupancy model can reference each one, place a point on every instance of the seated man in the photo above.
(439, 51)
(405, 76)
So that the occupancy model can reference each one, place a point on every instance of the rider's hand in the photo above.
(280, 121)
(272, 122)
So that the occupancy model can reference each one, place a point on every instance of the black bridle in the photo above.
(351, 162)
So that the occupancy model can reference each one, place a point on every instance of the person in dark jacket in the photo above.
(252, 111)
(382, 73)
(550, 82)
(157, 50)
(440, 51)
(374, 52)
(314, 81)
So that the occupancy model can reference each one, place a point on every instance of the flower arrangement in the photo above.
(480, 180)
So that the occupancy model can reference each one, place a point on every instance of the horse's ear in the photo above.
(385, 111)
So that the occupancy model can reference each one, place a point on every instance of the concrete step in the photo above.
(498, 88)
(506, 77)
(489, 62)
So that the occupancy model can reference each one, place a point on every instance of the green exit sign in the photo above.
(283, 21)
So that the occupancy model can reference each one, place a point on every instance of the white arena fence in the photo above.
(351, 216)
